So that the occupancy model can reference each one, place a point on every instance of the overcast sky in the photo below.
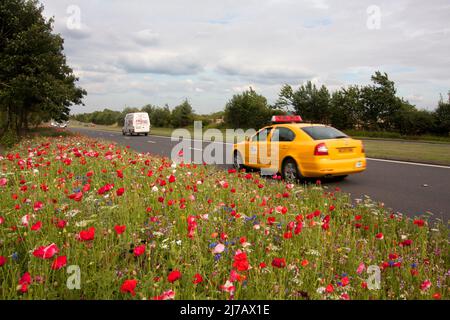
(134, 52)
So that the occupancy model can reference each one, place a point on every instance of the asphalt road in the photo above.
(412, 189)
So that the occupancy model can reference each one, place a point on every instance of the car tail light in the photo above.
(321, 150)
(363, 150)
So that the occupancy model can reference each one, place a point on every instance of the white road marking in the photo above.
(197, 149)
(149, 141)
(410, 163)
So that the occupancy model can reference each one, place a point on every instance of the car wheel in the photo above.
(238, 163)
(146, 134)
(289, 171)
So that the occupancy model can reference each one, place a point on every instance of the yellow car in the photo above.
(296, 150)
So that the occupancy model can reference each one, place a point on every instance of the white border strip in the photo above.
(370, 159)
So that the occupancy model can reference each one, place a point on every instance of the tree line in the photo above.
(181, 116)
(374, 107)
(36, 84)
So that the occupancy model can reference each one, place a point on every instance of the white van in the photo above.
(136, 123)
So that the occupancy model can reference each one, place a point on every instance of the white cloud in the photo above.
(138, 52)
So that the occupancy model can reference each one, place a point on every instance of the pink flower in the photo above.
(219, 248)
(3, 182)
(425, 285)
(38, 206)
(167, 295)
(361, 268)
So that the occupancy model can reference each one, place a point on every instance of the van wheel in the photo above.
(123, 132)
(289, 171)
(146, 134)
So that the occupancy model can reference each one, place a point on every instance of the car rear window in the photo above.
(324, 133)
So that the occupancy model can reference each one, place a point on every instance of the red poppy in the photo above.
(2, 261)
(379, 236)
(46, 252)
(278, 263)
(197, 279)
(59, 262)
(240, 261)
(38, 206)
(419, 222)
(172, 178)
(329, 288)
(87, 235)
(119, 229)
(345, 281)
(129, 286)
(405, 243)
(120, 191)
(37, 226)
(139, 250)
(174, 276)
(60, 223)
(25, 279)
(105, 188)
(437, 296)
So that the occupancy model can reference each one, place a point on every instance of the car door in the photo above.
(257, 146)
(281, 143)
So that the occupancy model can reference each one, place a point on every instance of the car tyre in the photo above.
(290, 171)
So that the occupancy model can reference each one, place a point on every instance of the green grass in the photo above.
(180, 214)
(409, 151)
(397, 136)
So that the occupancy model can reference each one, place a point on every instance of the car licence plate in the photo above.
(345, 150)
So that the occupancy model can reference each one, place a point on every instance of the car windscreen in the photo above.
(324, 133)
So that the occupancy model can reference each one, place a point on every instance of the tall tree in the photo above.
(310, 102)
(182, 115)
(35, 80)
(247, 110)
(380, 103)
(346, 108)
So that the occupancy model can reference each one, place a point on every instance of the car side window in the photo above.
(261, 135)
(282, 134)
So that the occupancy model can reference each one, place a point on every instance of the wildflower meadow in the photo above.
(88, 219)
